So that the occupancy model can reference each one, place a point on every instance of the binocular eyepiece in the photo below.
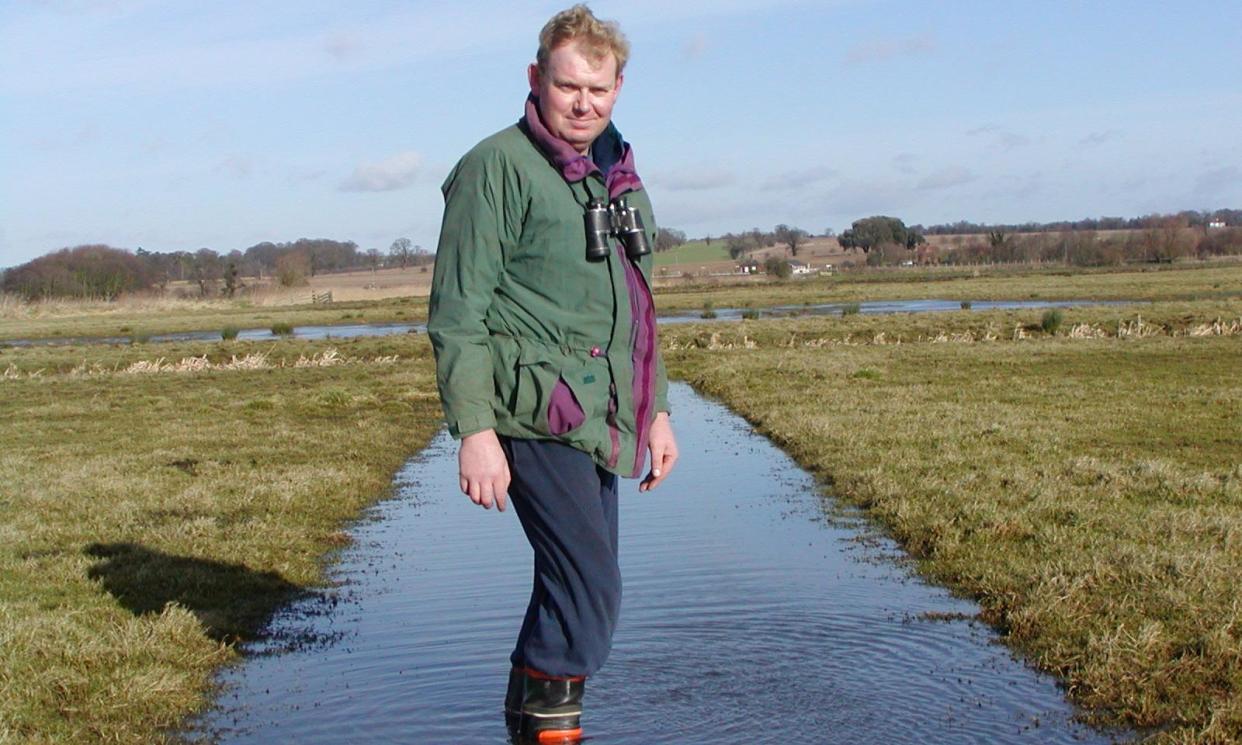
(616, 220)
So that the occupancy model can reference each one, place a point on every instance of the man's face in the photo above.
(576, 94)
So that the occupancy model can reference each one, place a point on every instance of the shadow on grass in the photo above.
(232, 601)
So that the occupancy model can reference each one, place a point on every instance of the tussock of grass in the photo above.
(1171, 319)
(147, 522)
(1051, 321)
(1088, 493)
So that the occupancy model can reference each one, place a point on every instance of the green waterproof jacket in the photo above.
(531, 338)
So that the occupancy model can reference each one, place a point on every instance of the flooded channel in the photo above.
(749, 617)
(352, 330)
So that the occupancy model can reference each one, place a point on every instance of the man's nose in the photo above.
(581, 106)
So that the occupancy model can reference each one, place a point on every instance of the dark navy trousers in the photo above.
(568, 507)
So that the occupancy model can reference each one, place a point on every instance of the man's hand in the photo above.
(663, 448)
(483, 469)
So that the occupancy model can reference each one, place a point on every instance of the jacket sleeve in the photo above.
(661, 381)
(661, 386)
(480, 227)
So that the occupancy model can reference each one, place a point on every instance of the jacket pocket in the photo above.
(564, 412)
(557, 395)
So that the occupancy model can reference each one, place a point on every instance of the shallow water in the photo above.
(879, 307)
(343, 331)
(349, 331)
(749, 617)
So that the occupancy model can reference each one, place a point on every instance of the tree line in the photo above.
(1164, 241)
(102, 271)
(1192, 218)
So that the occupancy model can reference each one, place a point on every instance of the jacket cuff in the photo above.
(661, 403)
(468, 425)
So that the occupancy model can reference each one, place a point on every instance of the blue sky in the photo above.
(176, 125)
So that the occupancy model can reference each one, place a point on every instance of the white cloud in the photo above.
(883, 50)
(395, 172)
(904, 162)
(1099, 138)
(343, 47)
(237, 166)
(1003, 138)
(946, 177)
(798, 178)
(696, 179)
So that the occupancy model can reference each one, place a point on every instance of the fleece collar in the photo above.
(611, 156)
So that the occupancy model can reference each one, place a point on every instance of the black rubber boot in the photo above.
(551, 709)
(513, 698)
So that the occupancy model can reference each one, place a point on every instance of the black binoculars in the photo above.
(616, 220)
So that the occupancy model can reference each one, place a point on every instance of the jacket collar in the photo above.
(611, 156)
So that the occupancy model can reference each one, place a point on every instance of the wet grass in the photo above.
(150, 520)
(1086, 490)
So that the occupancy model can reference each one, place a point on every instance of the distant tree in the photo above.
(668, 238)
(870, 232)
(790, 236)
(89, 271)
(374, 258)
(737, 245)
(914, 238)
(420, 256)
(778, 267)
(400, 251)
(1167, 239)
(206, 270)
(232, 279)
(758, 238)
(292, 269)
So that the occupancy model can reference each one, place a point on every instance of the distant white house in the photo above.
(749, 266)
(799, 267)
(1216, 224)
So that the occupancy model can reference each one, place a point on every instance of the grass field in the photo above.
(692, 253)
(148, 520)
(158, 501)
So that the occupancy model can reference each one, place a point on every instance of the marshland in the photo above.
(1074, 472)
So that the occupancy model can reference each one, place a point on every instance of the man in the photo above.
(546, 354)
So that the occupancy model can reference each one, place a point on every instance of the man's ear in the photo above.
(532, 76)
(620, 80)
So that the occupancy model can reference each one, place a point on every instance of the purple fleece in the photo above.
(621, 178)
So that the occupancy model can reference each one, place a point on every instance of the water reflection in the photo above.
(749, 617)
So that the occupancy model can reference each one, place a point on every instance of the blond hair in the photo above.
(579, 24)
